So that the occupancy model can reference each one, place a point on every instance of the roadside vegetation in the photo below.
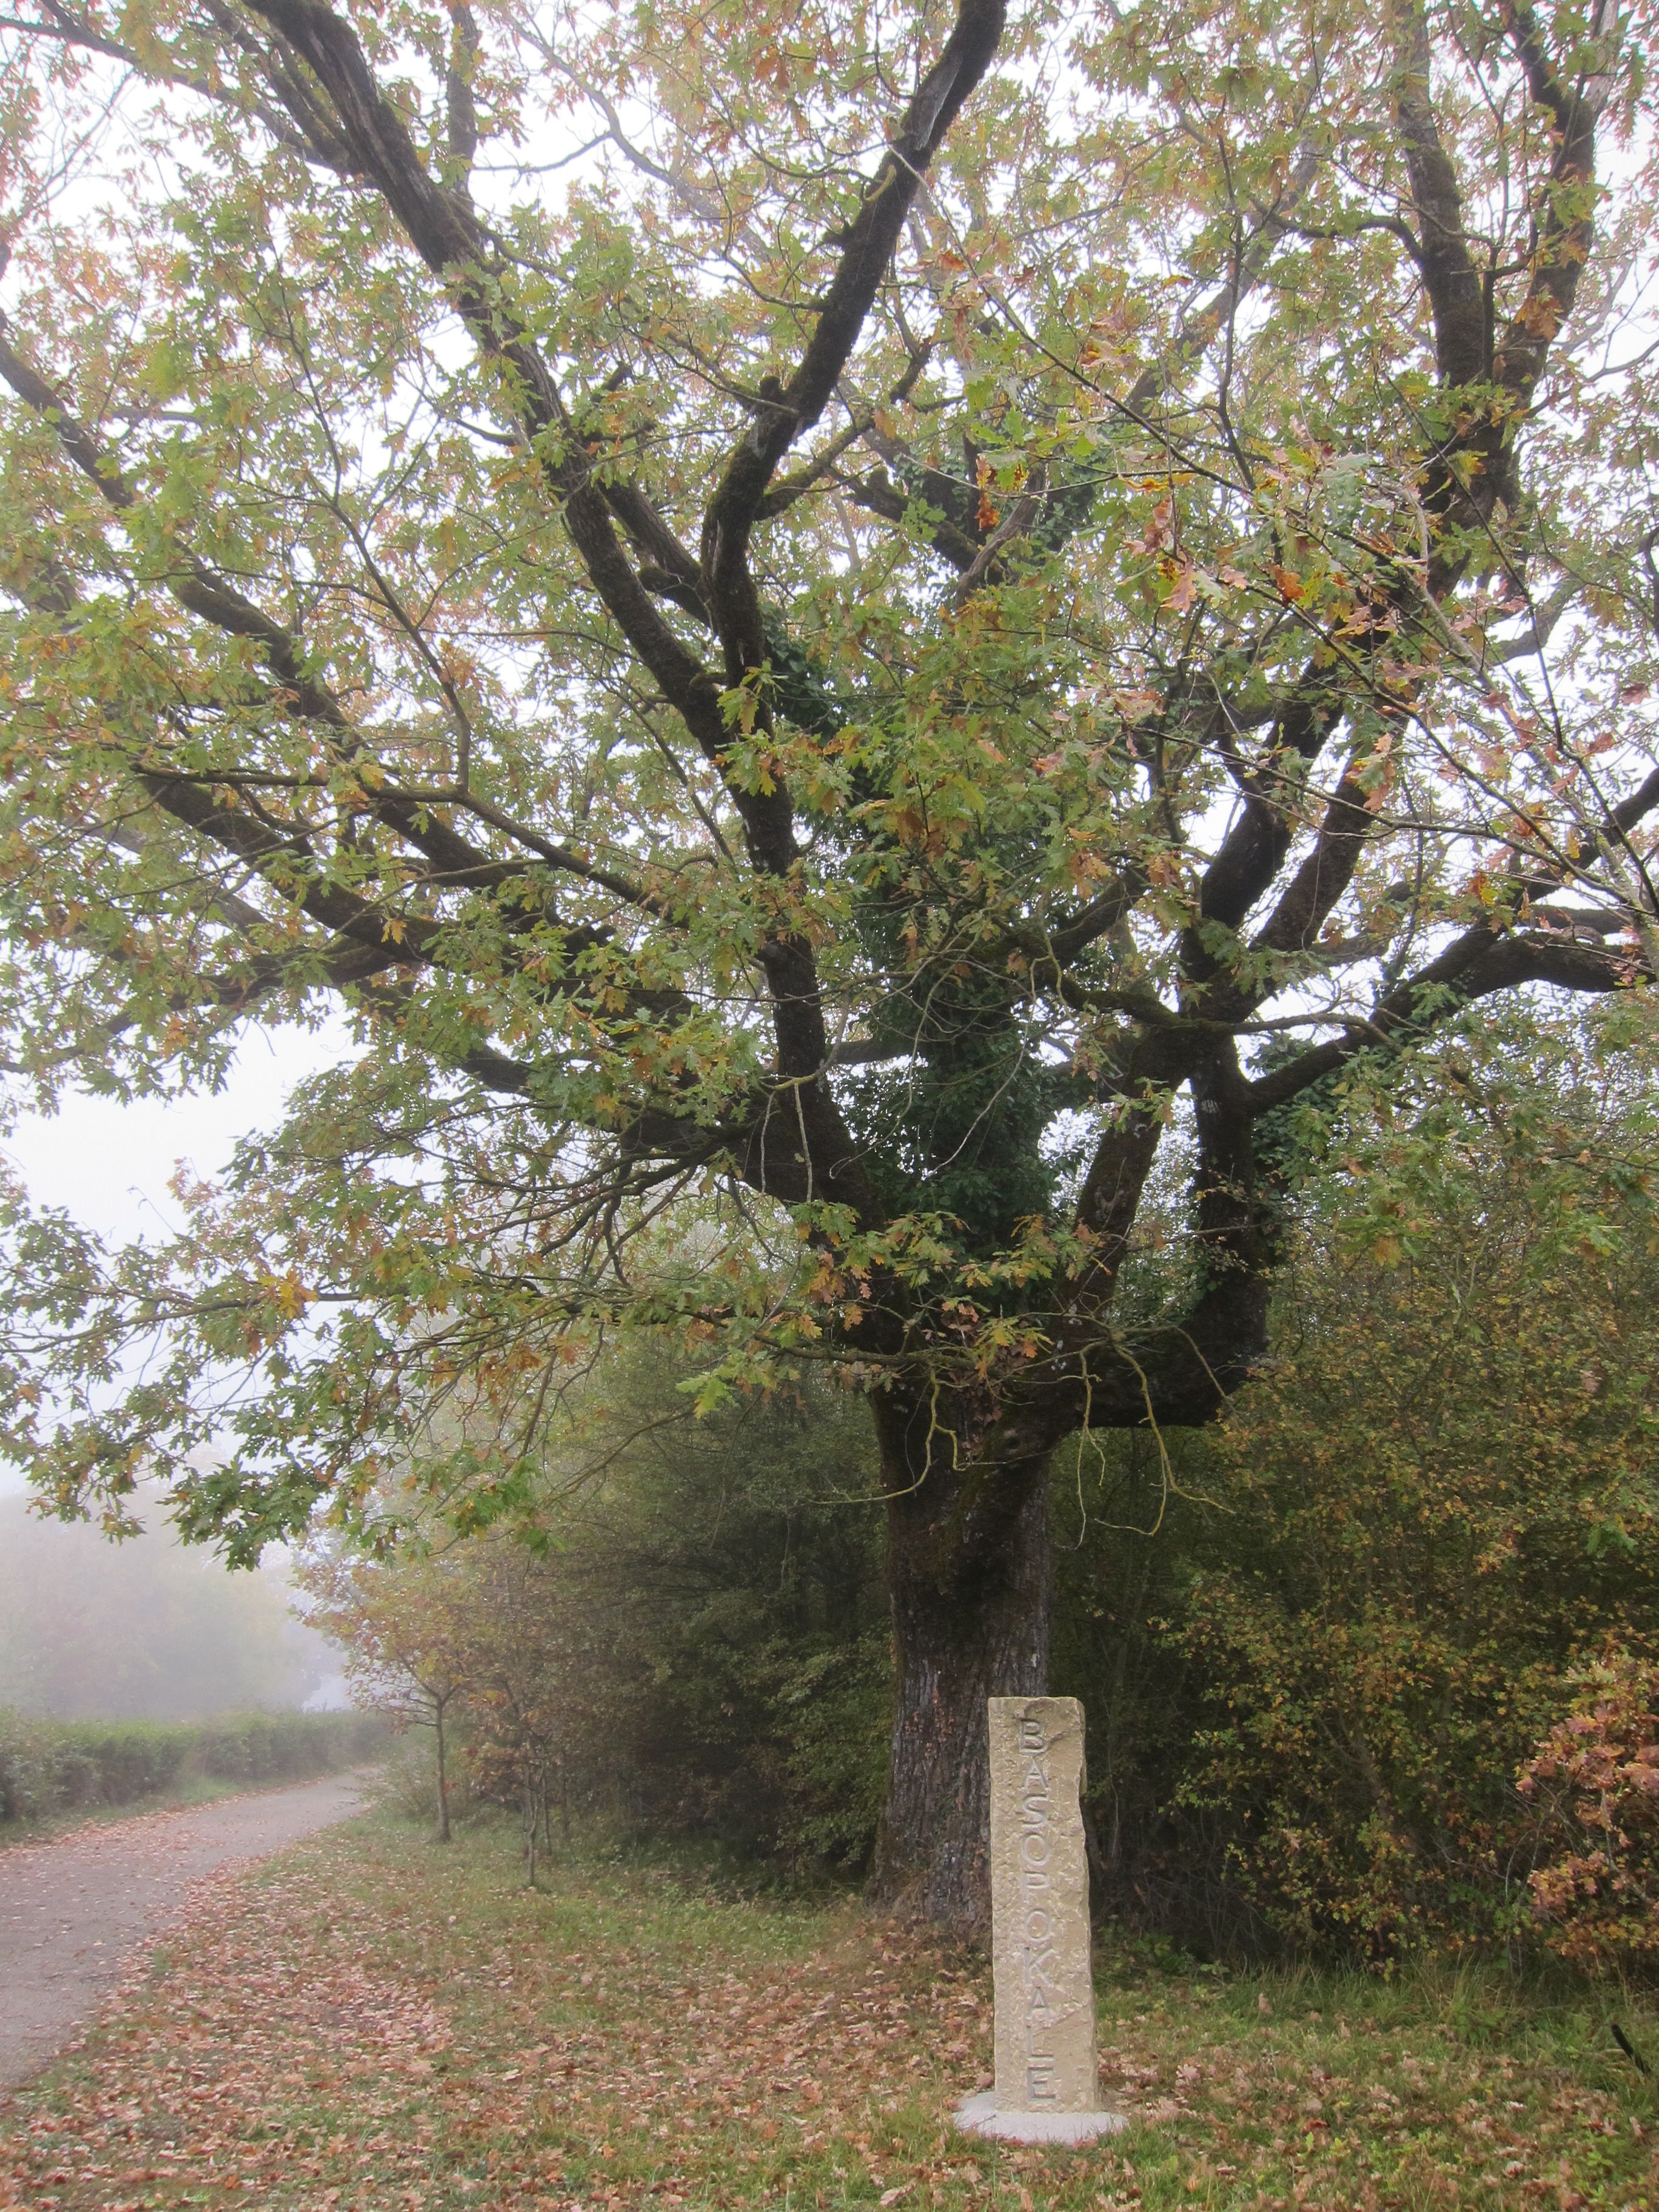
(54, 1772)
(378, 2024)
(1369, 1667)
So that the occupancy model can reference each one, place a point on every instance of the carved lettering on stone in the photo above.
(1041, 1966)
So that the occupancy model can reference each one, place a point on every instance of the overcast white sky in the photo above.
(110, 1165)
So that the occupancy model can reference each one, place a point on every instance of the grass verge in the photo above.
(374, 2023)
(193, 1789)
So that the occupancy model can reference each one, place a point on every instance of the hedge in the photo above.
(56, 1766)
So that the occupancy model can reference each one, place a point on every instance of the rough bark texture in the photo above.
(969, 1575)
(443, 1775)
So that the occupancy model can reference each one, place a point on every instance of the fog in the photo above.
(147, 1630)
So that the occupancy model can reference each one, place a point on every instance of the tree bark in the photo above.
(443, 1775)
(971, 1587)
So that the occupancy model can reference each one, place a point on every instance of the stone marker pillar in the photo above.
(1046, 2087)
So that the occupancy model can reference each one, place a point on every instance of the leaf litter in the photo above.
(370, 2024)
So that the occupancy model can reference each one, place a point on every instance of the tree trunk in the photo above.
(971, 1587)
(443, 1778)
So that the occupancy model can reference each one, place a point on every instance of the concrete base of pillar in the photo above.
(979, 2117)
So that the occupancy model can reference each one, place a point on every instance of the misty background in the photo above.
(150, 1629)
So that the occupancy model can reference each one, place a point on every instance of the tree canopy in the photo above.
(827, 621)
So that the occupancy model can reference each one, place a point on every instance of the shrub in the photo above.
(1312, 1690)
(1596, 1778)
(118, 1762)
(694, 1641)
(405, 1780)
(49, 1767)
(725, 1630)
(28, 1767)
(269, 1746)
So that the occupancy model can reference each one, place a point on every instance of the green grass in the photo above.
(190, 1789)
(374, 2021)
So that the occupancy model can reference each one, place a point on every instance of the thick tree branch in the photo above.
(790, 409)
(1565, 225)
(444, 231)
(1450, 276)
(1474, 966)
(1307, 900)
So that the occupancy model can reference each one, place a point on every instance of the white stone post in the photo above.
(1046, 2084)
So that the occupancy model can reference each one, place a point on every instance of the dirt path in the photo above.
(72, 1908)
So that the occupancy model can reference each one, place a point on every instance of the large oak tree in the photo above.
(858, 639)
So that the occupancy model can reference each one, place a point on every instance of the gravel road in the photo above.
(73, 1909)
